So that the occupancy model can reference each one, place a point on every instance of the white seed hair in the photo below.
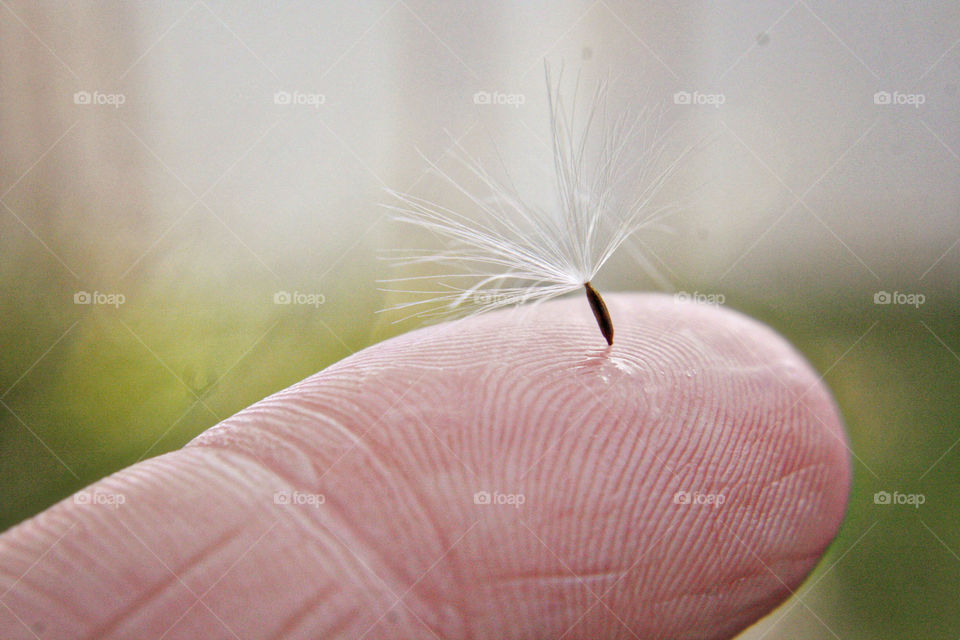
(516, 252)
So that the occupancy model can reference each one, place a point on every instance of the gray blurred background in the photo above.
(172, 171)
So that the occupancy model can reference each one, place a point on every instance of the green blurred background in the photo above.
(250, 152)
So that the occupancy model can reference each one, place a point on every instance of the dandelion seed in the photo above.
(599, 308)
(514, 251)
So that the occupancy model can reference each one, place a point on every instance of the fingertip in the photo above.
(690, 399)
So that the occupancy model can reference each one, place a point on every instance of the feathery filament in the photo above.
(516, 251)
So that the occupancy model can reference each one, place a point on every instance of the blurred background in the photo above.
(190, 220)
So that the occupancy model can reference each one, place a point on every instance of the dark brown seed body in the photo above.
(599, 308)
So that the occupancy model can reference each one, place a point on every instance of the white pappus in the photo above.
(608, 172)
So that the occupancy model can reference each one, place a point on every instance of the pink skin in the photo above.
(399, 437)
